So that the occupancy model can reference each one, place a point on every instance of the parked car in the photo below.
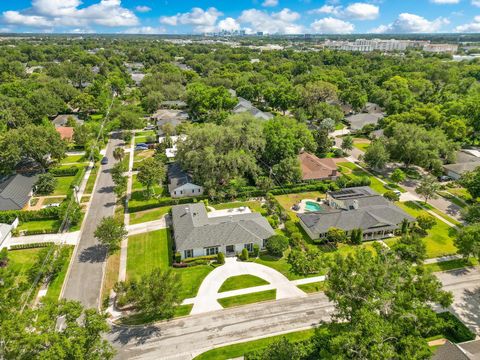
(149, 127)
(140, 148)
(142, 144)
(444, 178)
(104, 161)
(397, 192)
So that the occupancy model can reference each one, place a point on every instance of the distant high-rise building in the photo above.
(259, 33)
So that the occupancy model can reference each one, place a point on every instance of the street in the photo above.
(184, 338)
(85, 275)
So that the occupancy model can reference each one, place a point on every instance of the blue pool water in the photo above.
(312, 206)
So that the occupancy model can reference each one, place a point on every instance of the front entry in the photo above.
(230, 250)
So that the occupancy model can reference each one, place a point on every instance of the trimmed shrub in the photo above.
(178, 257)
(256, 250)
(277, 244)
(390, 195)
(221, 258)
(30, 246)
(244, 256)
(64, 171)
(206, 258)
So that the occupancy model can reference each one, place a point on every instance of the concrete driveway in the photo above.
(206, 299)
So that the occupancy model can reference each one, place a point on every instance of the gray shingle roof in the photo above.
(358, 121)
(177, 177)
(15, 191)
(61, 120)
(462, 168)
(193, 228)
(244, 105)
(449, 351)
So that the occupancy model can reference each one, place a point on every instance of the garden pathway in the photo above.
(147, 226)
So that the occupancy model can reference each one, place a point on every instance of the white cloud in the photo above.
(145, 30)
(411, 23)
(355, 11)
(229, 24)
(202, 20)
(331, 25)
(52, 13)
(476, 3)
(472, 27)
(445, 1)
(282, 22)
(270, 3)
(143, 9)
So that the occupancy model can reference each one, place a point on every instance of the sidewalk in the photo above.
(63, 238)
(147, 226)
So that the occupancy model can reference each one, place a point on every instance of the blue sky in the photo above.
(269, 16)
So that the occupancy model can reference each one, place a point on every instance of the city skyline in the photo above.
(251, 16)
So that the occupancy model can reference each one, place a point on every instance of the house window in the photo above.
(193, 191)
(249, 247)
(175, 193)
(264, 243)
(188, 253)
(211, 251)
(181, 192)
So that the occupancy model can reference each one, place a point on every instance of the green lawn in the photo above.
(452, 264)
(439, 239)
(148, 215)
(146, 133)
(148, 251)
(362, 146)
(22, 260)
(47, 225)
(64, 184)
(241, 282)
(91, 179)
(239, 350)
(142, 155)
(73, 159)
(248, 298)
(53, 200)
(442, 214)
(55, 287)
(353, 170)
(312, 287)
(141, 318)
(453, 198)
(254, 206)
(154, 249)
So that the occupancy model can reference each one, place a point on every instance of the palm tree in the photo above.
(118, 153)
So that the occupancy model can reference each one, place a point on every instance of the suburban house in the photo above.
(16, 190)
(66, 132)
(197, 234)
(62, 120)
(171, 151)
(246, 106)
(469, 350)
(314, 168)
(180, 184)
(6, 232)
(168, 116)
(466, 160)
(355, 208)
(358, 121)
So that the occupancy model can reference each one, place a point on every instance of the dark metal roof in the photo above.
(15, 191)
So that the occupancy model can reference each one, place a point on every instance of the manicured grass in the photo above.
(91, 179)
(192, 278)
(136, 185)
(254, 206)
(140, 318)
(73, 159)
(361, 144)
(143, 154)
(47, 225)
(460, 192)
(248, 298)
(54, 288)
(111, 276)
(454, 199)
(312, 287)
(149, 215)
(353, 170)
(440, 213)
(53, 200)
(145, 133)
(64, 184)
(339, 126)
(452, 264)
(239, 350)
(22, 260)
(148, 251)
(241, 282)
(439, 239)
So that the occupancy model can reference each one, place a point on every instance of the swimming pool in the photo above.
(312, 206)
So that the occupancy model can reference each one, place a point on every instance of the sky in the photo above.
(268, 16)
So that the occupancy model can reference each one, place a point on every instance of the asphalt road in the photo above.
(84, 281)
(184, 338)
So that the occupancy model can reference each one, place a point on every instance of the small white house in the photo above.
(171, 151)
(6, 232)
(181, 184)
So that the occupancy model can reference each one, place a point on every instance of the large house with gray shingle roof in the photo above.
(197, 234)
(16, 190)
(355, 208)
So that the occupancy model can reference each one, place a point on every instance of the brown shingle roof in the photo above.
(314, 168)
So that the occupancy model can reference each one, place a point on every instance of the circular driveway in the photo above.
(206, 299)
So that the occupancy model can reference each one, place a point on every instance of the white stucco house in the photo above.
(180, 183)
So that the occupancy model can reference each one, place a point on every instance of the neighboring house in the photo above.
(372, 108)
(16, 190)
(181, 183)
(173, 117)
(466, 160)
(171, 151)
(61, 120)
(469, 350)
(6, 232)
(66, 132)
(358, 121)
(137, 77)
(314, 168)
(355, 208)
(246, 106)
(197, 234)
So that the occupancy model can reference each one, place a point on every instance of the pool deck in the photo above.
(303, 205)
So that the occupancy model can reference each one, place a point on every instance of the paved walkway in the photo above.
(205, 300)
(70, 238)
(147, 226)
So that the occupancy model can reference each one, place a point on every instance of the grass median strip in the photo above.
(241, 282)
(452, 264)
(312, 287)
(248, 298)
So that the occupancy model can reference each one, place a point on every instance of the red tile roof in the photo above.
(65, 132)
(314, 168)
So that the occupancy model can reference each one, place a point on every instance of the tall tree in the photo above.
(110, 232)
(468, 241)
(376, 156)
(151, 172)
(428, 188)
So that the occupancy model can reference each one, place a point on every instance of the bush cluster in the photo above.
(30, 246)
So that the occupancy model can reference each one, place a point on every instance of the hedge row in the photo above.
(9, 216)
(39, 231)
(64, 171)
(31, 246)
